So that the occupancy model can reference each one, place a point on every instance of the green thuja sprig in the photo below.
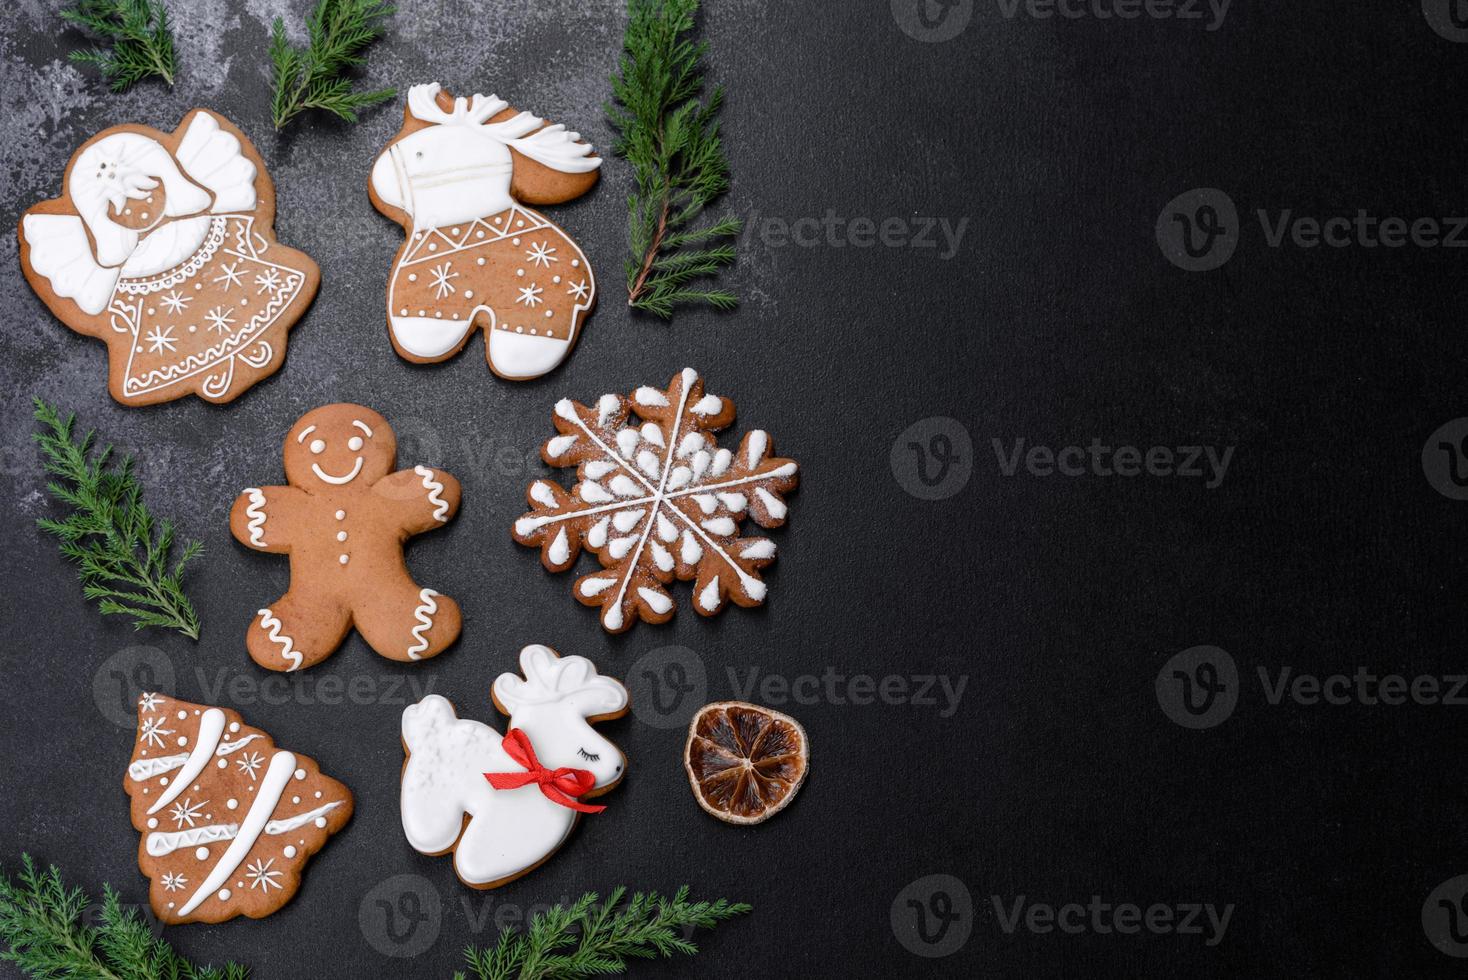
(671, 138)
(337, 32)
(41, 924)
(123, 553)
(587, 939)
(140, 38)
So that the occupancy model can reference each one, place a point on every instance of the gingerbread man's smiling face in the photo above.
(338, 446)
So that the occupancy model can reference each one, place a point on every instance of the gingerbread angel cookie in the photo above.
(343, 520)
(504, 803)
(457, 177)
(228, 820)
(163, 247)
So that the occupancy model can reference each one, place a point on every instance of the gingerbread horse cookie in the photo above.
(343, 520)
(457, 177)
(163, 247)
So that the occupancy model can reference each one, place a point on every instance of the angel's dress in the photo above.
(226, 298)
(513, 272)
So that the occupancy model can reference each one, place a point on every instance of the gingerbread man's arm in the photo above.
(262, 518)
(423, 498)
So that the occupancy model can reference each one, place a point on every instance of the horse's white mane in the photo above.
(550, 678)
(554, 146)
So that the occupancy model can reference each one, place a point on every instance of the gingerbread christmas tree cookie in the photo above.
(343, 519)
(228, 820)
(458, 177)
(163, 246)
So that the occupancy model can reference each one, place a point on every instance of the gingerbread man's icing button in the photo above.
(335, 456)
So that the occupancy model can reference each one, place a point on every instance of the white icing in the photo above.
(658, 602)
(508, 831)
(722, 526)
(255, 512)
(277, 774)
(596, 586)
(557, 446)
(758, 548)
(423, 614)
(708, 405)
(593, 493)
(337, 480)
(606, 407)
(214, 158)
(288, 650)
(211, 726)
(435, 493)
(651, 397)
(541, 493)
(709, 597)
(145, 769)
(61, 252)
(755, 446)
(560, 549)
(773, 504)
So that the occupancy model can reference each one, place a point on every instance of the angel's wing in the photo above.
(212, 157)
(60, 251)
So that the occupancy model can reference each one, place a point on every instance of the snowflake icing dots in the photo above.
(657, 501)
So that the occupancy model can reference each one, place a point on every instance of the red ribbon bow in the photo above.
(558, 785)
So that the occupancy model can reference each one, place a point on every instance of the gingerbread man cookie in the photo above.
(228, 819)
(163, 247)
(457, 177)
(343, 520)
(505, 803)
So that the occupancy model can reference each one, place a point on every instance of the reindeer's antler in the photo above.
(553, 146)
(550, 677)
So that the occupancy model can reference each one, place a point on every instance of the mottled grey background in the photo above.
(1055, 318)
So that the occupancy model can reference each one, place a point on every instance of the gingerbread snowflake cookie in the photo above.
(457, 177)
(505, 803)
(228, 820)
(657, 500)
(163, 247)
(343, 520)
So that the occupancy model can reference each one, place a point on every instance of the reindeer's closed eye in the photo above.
(588, 756)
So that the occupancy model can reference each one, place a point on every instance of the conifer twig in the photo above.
(671, 138)
(337, 31)
(139, 35)
(123, 553)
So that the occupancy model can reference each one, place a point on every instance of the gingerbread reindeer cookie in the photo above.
(505, 803)
(163, 247)
(457, 177)
(343, 520)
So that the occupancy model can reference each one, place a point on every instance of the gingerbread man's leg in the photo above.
(301, 628)
(405, 621)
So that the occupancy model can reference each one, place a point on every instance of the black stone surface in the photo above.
(1053, 318)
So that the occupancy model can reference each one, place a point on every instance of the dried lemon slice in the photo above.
(745, 762)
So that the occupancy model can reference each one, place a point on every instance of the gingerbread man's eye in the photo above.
(354, 443)
(318, 446)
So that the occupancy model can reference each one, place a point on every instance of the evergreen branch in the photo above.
(42, 926)
(139, 35)
(337, 32)
(591, 939)
(122, 553)
(671, 138)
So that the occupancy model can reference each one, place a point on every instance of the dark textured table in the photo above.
(1076, 386)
